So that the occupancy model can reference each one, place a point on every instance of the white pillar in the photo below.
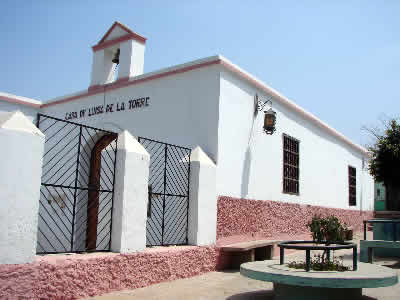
(130, 195)
(131, 59)
(203, 199)
(102, 67)
(21, 152)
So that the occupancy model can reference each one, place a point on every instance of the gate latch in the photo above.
(150, 193)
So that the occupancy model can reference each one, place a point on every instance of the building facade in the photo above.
(266, 185)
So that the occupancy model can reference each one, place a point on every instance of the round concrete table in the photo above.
(298, 284)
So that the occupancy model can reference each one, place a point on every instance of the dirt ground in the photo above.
(231, 285)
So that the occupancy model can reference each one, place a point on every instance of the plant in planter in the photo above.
(326, 231)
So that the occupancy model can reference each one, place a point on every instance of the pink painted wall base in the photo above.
(82, 275)
(243, 219)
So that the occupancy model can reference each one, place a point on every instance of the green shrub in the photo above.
(327, 230)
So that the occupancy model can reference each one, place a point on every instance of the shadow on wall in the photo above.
(244, 189)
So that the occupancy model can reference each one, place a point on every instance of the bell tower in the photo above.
(120, 47)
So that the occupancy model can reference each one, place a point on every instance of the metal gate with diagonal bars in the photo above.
(167, 215)
(76, 194)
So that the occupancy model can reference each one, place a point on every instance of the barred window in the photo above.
(290, 165)
(352, 186)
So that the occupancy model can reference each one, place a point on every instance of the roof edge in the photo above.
(20, 100)
(123, 26)
(130, 35)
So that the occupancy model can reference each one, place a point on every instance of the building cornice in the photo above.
(20, 100)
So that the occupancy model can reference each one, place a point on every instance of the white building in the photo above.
(211, 103)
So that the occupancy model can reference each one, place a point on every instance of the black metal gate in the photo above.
(76, 194)
(167, 215)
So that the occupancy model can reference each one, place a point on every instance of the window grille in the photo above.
(352, 186)
(290, 165)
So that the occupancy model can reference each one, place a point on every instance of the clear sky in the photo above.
(340, 60)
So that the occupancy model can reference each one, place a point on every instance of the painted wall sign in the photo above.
(108, 108)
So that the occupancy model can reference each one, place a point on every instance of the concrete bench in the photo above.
(367, 248)
(296, 284)
(250, 251)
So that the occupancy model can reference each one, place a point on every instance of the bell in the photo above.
(116, 57)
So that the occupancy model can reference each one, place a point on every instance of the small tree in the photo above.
(384, 165)
(324, 230)
(327, 230)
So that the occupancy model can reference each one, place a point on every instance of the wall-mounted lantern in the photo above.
(269, 115)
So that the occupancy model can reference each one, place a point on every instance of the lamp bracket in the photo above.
(259, 104)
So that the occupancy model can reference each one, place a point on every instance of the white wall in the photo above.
(183, 109)
(252, 167)
(368, 189)
(20, 174)
(28, 111)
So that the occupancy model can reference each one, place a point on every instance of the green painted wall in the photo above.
(380, 196)
(385, 232)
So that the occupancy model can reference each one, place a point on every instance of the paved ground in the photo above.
(231, 285)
